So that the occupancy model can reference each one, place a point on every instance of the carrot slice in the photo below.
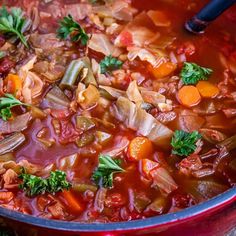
(207, 89)
(163, 70)
(139, 148)
(148, 165)
(189, 96)
(14, 83)
(72, 201)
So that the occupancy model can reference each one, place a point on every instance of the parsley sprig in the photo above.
(70, 28)
(107, 167)
(34, 185)
(184, 143)
(191, 73)
(109, 64)
(6, 103)
(12, 22)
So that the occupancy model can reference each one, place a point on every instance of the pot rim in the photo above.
(167, 219)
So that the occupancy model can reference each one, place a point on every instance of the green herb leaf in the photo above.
(6, 103)
(34, 185)
(109, 64)
(12, 22)
(184, 143)
(191, 73)
(107, 166)
(70, 28)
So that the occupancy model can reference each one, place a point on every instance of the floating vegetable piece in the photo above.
(109, 64)
(184, 143)
(165, 69)
(207, 89)
(84, 140)
(10, 143)
(139, 120)
(88, 97)
(34, 185)
(12, 23)
(14, 83)
(56, 98)
(6, 103)
(70, 28)
(140, 148)
(189, 96)
(107, 167)
(191, 73)
(84, 123)
(73, 71)
(159, 18)
(163, 180)
(102, 137)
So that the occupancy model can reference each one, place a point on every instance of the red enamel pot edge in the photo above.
(163, 223)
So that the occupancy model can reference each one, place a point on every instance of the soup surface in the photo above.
(111, 111)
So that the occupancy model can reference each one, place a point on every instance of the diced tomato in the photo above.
(140, 148)
(60, 114)
(115, 200)
(147, 166)
(126, 39)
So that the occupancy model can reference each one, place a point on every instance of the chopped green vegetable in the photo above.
(191, 73)
(34, 185)
(184, 143)
(6, 103)
(107, 166)
(2, 54)
(12, 22)
(109, 64)
(70, 28)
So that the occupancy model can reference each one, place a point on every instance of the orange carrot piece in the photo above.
(163, 70)
(148, 165)
(207, 89)
(139, 148)
(14, 83)
(189, 96)
(72, 201)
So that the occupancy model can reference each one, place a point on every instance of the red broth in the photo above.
(155, 180)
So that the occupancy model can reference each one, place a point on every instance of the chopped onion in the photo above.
(19, 123)
(10, 143)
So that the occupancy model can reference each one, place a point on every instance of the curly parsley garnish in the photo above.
(6, 103)
(34, 185)
(191, 73)
(70, 28)
(107, 166)
(109, 64)
(12, 22)
(184, 143)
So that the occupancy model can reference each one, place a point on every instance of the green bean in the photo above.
(84, 187)
(73, 71)
(71, 74)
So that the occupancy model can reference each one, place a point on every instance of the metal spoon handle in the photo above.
(207, 14)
